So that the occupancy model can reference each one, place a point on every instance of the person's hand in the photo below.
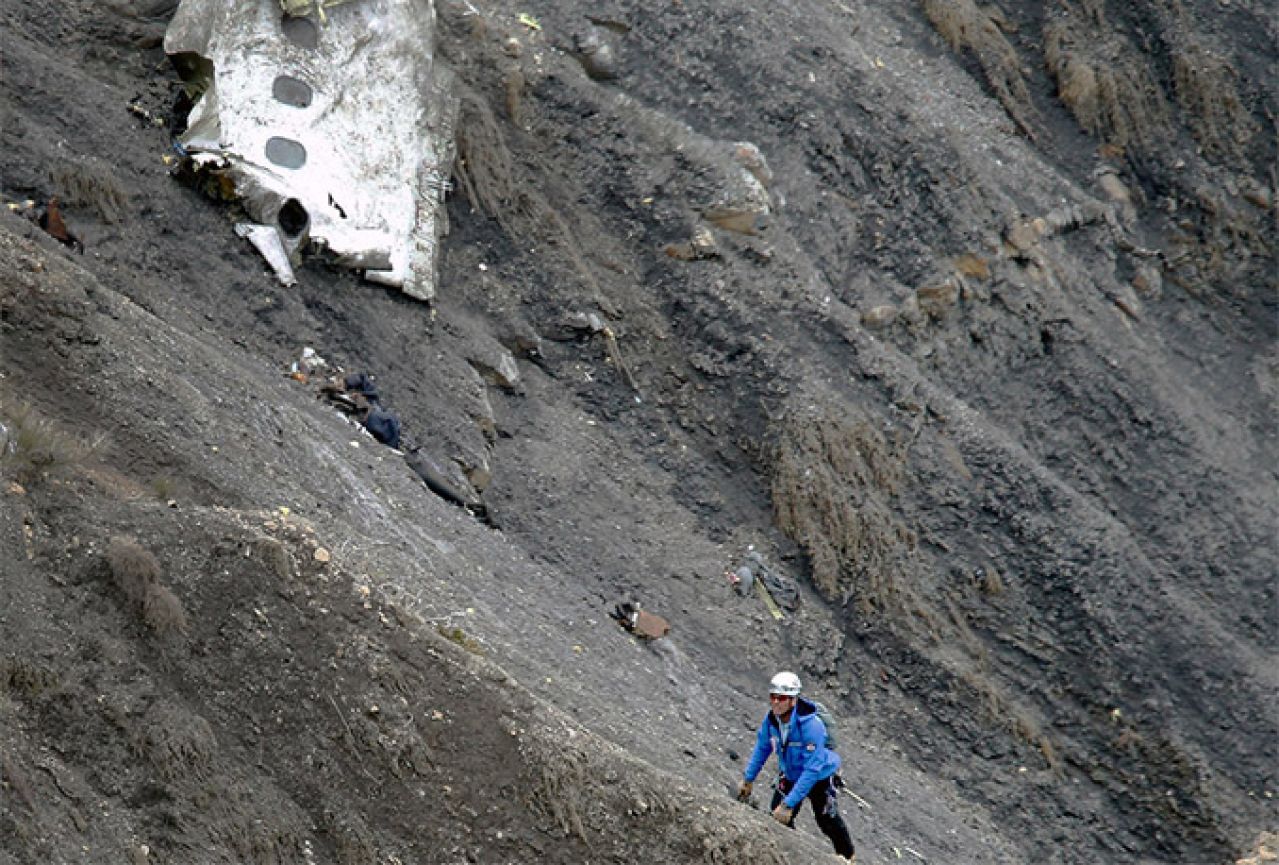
(744, 791)
(783, 815)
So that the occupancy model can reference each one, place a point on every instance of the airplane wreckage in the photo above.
(330, 121)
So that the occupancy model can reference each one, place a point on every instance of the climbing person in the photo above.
(808, 769)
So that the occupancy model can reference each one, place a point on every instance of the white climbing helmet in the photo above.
(785, 683)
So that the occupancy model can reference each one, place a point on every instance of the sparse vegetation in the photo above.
(90, 183)
(484, 167)
(133, 567)
(967, 27)
(178, 742)
(831, 477)
(1108, 89)
(163, 612)
(1205, 88)
(136, 573)
(37, 448)
(24, 677)
(454, 634)
(163, 487)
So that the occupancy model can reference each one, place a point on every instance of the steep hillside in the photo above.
(964, 317)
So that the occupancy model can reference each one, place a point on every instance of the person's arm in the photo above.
(763, 748)
(821, 762)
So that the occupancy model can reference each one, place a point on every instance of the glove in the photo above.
(783, 815)
(744, 791)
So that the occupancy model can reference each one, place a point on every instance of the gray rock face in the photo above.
(1012, 442)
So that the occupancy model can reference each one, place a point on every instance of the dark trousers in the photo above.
(825, 811)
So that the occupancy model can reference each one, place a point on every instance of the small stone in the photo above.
(935, 300)
(1148, 281)
(879, 316)
(321, 555)
(752, 159)
(1258, 197)
(1023, 236)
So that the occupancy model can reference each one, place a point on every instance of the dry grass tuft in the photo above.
(133, 567)
(456, 635)
(1108, 90)
(137, 574)
(484, 167)
(25, 678)
(178, 742)
(34, 448)
(967, 27)
(831, 477)
(1205, 88)
(163, 612)
(89, 183)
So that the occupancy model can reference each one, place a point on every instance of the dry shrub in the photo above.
(484, 167)
(137, 574)
(586, 786)
(163, 612)
(1110, 93)
(992, 583)
(24, 677)
(179, 743)
(832, 474)
(89, 183)
(133, 567)
(274, 557)
(1204, 85)
(35, 448)
(966, 27)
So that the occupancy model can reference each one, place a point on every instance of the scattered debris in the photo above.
(356, 395)
(308, 364)
(641, 623)
(774, 589)
(767, 598)
(267, 242)
(439, 481)
(50, 219)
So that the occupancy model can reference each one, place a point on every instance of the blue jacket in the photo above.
(805, 760)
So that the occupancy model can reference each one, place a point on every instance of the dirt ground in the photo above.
(963, 317)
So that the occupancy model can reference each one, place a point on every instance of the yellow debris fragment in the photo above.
(529, 21)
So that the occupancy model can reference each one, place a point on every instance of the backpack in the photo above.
(829, 722)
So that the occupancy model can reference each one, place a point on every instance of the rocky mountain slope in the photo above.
(963, 317)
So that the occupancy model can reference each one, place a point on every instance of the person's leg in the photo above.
(826, 812)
